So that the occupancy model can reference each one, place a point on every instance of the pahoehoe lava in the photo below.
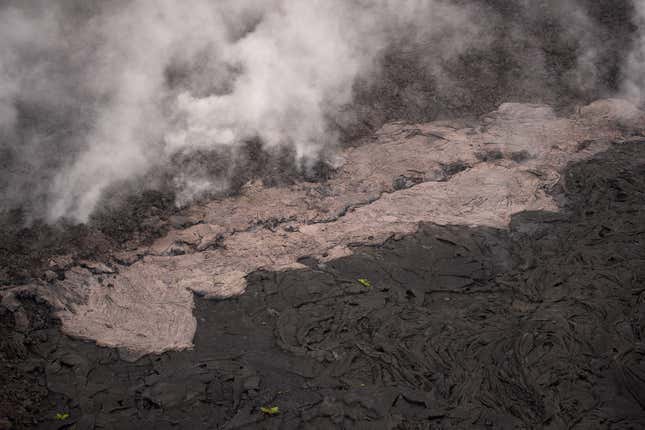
(538, 326)
(241, 214)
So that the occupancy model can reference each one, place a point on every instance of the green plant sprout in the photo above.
(364, 282)
(270, 410)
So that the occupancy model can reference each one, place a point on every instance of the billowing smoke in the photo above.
(633, 86)
(94, 94)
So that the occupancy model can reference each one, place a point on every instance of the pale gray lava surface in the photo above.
(445, 173)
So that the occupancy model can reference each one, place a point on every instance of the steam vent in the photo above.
(308, 214)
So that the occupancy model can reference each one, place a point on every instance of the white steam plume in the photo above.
(275, 70)
(129, 84)
(634, 84)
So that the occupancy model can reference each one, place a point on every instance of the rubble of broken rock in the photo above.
(503, 266)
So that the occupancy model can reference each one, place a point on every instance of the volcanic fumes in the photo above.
(96, 96)
(246, 214)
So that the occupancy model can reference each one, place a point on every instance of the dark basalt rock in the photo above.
(404, 181)
(539, 326)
